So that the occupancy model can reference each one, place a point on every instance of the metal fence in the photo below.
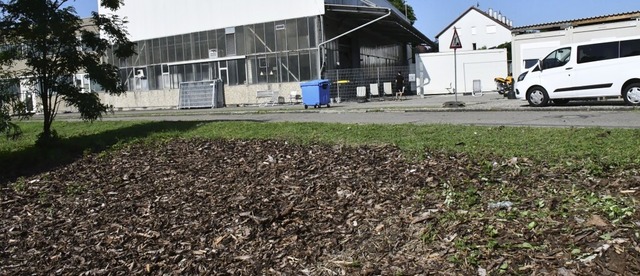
(345, 82)
(201, 94)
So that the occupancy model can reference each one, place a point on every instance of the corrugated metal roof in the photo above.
(550, 26)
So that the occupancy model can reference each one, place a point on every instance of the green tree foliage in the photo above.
(54, 43)
(400, 5)
(8, 105)
(506, 45)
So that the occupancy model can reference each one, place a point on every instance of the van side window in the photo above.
(630, 48)
(598, 51)
(557, 58)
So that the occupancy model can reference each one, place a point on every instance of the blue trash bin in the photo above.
(315, 93)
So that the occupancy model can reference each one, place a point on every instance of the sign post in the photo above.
(455, 45)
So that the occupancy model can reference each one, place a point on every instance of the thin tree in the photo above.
(55, 43)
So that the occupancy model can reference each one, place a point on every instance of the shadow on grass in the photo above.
(34, 160)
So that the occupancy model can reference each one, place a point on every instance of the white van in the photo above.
(607, 68)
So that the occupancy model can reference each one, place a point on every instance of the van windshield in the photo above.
(557, 58)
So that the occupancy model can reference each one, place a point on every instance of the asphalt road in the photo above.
(488, 110)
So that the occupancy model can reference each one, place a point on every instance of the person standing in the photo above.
(399, 84)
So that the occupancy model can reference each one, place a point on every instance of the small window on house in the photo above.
(491, 29)
(473, 30)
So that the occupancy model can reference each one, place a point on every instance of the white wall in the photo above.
(160, 18)
(466, 25)
(538, 45)
(435, 72)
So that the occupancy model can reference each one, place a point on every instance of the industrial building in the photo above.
(254, 45)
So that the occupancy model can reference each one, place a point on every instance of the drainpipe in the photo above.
(321, 66)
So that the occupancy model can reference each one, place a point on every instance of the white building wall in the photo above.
(161, 18)
(435, 72)
(477, 28)
(538, 45)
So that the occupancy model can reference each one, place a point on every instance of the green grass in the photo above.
(593, 149)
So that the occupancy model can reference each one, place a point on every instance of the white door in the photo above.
(555, 76)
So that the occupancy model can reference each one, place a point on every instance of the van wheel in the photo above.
(537, 96)
(631, 94)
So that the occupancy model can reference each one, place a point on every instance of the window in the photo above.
(292, 35)
(630, 48)
(599, 51)
(281, 38)
(258, 33)
(293, 69)
(529, 62)
(187, 46)
(491, 29)
(557, 58)
(303, 33)
(473, 30)
(249, 40)
(240, 47)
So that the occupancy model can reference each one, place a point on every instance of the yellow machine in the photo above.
(504, 85)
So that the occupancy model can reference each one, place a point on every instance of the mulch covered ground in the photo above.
(272, 208)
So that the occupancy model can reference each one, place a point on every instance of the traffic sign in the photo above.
(455, 40)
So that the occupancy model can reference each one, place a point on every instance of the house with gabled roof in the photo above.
(476, 29)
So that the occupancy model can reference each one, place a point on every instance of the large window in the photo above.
(280, 51)
(598, 51)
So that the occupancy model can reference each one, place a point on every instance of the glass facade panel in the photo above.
(158, 73)
(233, 72)
(303, 33)
(252, 69)
(242, 76)
(292, 35)
(231, 44)
(179, 48)
(240, 48)
(293, 69)
(212, 42)
(270, 37)
(188, 72)
(171, 49)
(283, 68)
(203, 49)
(259, 38)
(249, 40)
(305, 70)
(187, 46)
(281, 51)
(221, 43)
(164, 53)
(281, 36)
(312, 32)
(272, 69)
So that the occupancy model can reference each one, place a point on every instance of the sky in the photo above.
(435, 15)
